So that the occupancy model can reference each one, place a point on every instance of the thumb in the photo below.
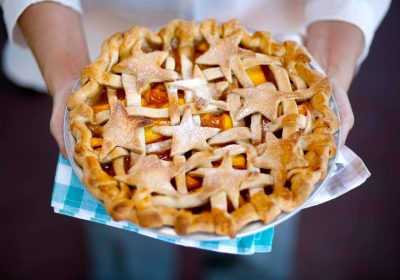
(345, 111)
(57, 120)
(56, 129)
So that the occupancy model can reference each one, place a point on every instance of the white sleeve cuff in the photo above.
(12, 10)
(366, 15)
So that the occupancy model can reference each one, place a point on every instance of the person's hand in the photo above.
(57, 115)
(55, 35)
(343, 102)
(337, 47)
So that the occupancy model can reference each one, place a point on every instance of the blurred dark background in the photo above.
(354, 236)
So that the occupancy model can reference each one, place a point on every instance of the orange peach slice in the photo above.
(222, 121)
(192, 183)
(150, 136)
(239, 161)
(96, 142)
(256, 74)
(103, 107)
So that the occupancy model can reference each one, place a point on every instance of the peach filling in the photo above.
(193, 183)
(238, 162)
(222, 121)
(156, 96)
(256, 75)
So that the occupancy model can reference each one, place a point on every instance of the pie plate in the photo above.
(249, 229)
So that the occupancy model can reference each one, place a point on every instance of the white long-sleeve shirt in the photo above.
(102, 18)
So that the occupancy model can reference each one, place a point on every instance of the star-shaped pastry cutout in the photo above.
(225, 178)
(284, 153)
(121, 130)
(203, 92)
(187, 135)
(223, 52)
(265, 100)
(153, 174)
(146, 67)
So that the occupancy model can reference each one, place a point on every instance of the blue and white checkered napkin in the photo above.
(71, 198)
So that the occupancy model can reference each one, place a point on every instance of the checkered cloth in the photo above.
(71, 198)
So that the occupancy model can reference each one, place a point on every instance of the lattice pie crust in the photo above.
(202, 127)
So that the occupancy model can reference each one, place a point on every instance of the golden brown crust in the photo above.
(265, 159)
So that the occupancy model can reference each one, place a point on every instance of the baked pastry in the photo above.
(202, 127)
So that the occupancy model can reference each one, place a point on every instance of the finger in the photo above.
(347, 125)
(57, 115)
(63, 151)
(56, 128)
(60, 142)
(345, 132)
(57, 121)
(345, 111)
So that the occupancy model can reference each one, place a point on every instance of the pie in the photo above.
(201, 127)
